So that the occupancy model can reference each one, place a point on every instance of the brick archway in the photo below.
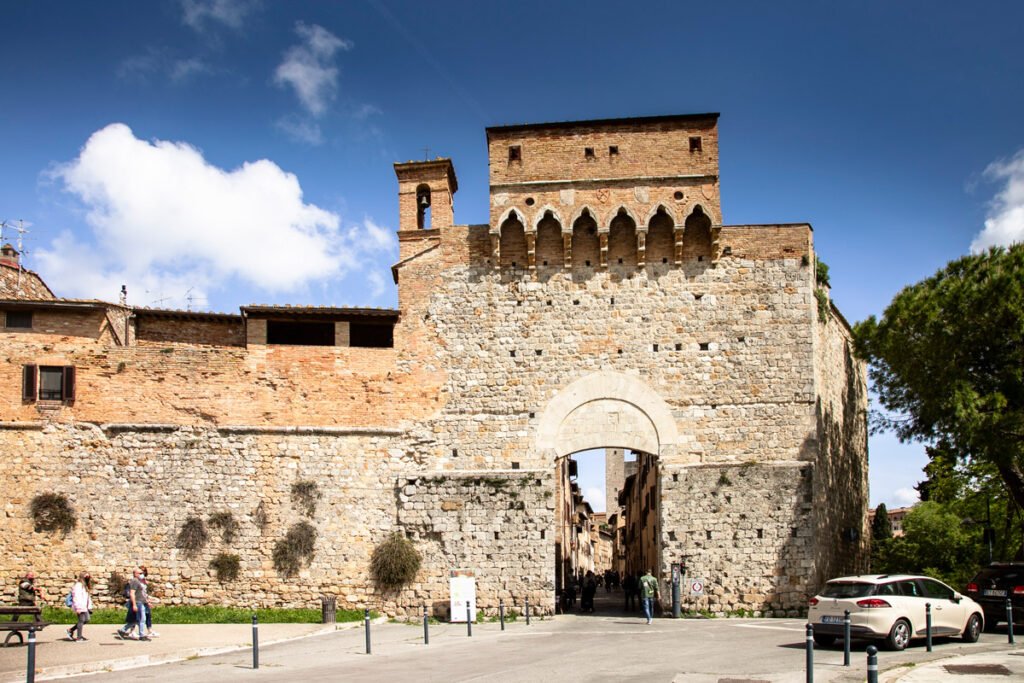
(606, 409)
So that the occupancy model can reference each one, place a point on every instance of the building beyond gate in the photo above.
(604, 305)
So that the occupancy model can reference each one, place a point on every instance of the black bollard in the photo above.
(255, 643)
(1009, 621)
(469, 621)
(30, 675)
(527, 611)
(426, 627)
(928, 625)
(366, 623)
(846, 637)
(501, 613)
(810, 654)
(872, 664)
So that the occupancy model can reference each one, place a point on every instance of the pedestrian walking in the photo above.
(648, 593)
(629, 587)
(148, 600)
(81, 604)
(136, 606)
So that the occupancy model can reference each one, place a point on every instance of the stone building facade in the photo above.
(604, 305)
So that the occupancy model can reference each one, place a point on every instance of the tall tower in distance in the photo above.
(614, 477)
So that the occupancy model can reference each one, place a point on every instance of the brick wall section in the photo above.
(17, 283)
(191, 332)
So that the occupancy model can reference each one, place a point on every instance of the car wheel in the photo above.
(899, 636)
(824, 640)
(973, 629)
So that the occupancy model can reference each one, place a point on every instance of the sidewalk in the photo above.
(56, 657)
(966, 668)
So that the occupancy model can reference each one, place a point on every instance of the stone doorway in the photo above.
(607, 518)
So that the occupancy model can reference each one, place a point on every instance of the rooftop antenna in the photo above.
(426, 154)
(21, 230)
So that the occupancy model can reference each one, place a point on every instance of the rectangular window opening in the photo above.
(613, 150)
(515, 153)
(300, 333)
(515, 465)
(705, 346)
(56, 383)
(18, 320)
(588, 152)
(695, 144)
(371, 335)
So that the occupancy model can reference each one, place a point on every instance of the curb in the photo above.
(139, 661)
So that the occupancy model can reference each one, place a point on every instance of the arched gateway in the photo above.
(602, 305)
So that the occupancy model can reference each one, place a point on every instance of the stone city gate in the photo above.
(604, 304)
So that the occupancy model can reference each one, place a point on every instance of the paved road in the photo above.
(608, 646)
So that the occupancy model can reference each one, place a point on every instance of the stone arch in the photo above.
(513, 242)
(622, 252)
(661, 238)
(549, 250)
(606, 409)
(617, 211)
(583, 211)
(509, 213)
(586, 245)
(663, 208)
(543, 212)
(697, 234)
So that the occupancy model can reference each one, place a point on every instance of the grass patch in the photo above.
(207, 614)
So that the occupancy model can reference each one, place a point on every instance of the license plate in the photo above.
(829, 619)
(992, 592)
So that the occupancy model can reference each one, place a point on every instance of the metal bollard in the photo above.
(872, 664)
(366, 625)
(426, 627)
(846, 637)
(30, 675)
(469, 621)
(501, 613)
(928, 625)
(1009, 621)
(810, 653)
(255, 643)
(527, 611)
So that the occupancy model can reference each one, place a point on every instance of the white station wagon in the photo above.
(891, 607)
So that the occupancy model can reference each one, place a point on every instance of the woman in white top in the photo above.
(81, 604)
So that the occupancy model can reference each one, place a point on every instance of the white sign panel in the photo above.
(462, 585)
(696, 586)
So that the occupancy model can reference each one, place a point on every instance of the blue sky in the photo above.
(215, 153)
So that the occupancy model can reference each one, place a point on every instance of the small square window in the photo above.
(613, 150)
(588, 152)
(515, 153)
(695, 144)
(18, 320)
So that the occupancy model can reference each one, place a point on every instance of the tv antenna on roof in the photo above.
(426, 154)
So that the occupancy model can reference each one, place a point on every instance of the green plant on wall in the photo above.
(394, 562)
(53, 512)
(296, 548)
(226, 566)
(193, 536)
(225, 522)
(306, 494)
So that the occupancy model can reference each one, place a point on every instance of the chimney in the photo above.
(9, 256)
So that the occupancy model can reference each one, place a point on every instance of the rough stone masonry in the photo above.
(605, 305)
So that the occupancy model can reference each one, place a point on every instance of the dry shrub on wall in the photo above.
(294, 549)
(260, 517)
(192, 537)
(225, 522)
(394, 562)
(53, 512)
(226, 566)
(116, 584)
(305, 495)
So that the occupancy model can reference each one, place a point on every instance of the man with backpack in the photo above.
(135, 593)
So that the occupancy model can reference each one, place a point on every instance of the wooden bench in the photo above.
(10, 620)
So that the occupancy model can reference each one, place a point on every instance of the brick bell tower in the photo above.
(425, 191)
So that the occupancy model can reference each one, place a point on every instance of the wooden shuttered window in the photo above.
(29, 374)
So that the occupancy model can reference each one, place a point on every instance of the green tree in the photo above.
(934, 542)
(947, 361)
(881, 528)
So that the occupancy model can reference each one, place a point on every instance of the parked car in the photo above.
(993, 585)
(891, 608)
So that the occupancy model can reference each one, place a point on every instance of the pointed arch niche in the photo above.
(512, 245)
(549, 251)
(661, 238)
(586, 246)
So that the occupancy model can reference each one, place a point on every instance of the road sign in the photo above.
(696, 586)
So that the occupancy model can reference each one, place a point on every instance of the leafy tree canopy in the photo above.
(881, 527)
(947, 361)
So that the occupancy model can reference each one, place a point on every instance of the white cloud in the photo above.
(231, 13)
(165, 219)
(378, 285)
(595, 496)
(184, 69)
(301, 130)
(1005, 222)
(308, 68)
(905, 497)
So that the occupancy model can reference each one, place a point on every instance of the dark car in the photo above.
(991, 588)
